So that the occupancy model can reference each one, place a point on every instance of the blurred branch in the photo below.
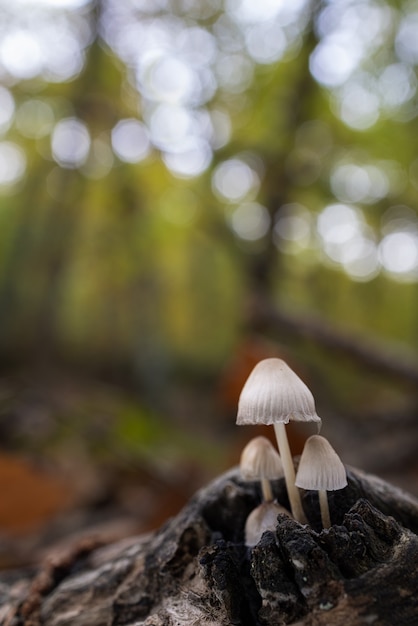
(387, 358)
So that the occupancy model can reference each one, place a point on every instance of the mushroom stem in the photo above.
(289, 473)
(323, 505)
(266, 489)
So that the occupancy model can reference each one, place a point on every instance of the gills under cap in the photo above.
(274, 393)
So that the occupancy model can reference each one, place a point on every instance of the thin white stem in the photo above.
(266, 489)
(289, 474)
(323, 505)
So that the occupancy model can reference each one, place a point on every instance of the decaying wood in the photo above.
(197, 570)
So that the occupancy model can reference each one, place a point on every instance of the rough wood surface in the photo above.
(197, 570)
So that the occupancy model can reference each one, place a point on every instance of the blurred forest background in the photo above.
(187, 188)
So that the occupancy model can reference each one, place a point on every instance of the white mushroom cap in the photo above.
(274, 393)
(320, 467)
(262, 518)
(260, 459)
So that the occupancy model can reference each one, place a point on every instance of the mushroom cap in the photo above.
(260, 459)
(320, 467)
(262, 518)
(273, 393)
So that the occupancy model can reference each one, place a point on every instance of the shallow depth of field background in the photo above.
(187, 188)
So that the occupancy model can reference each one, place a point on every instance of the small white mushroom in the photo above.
(274, 394)
(262, 518)
(321, 469)
(261, 461)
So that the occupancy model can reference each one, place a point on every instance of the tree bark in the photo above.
(196, 569)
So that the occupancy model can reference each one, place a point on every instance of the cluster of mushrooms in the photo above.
(275, 395)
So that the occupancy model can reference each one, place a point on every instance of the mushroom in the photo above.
(274, 394)
(321, 469)
(261, 461)
(262, 518)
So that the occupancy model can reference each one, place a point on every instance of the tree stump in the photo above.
(196, 569)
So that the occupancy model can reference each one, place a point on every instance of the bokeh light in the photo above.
(399, 218)
(331, 63)
(59, 4)
(356, 105)
(249, 11)
(68, 58)
(12, 164)
(293, 228)
(48, 43)
(184, 73)
(130, 140)
(178, 67)
(234, 180)
(250, 221)
(171, 126)
(192, 159)
(7, 109)
(406, 39)
(397, 85)
(360, 260)
(350, 34)
(338, 224)
(266, 42)
(21, 54)
(70, 143)
(398, 252)
(234, 72)
(34, 118)
(168, 79)
(359, 183)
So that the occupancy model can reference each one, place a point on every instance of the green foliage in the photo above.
(128, 257)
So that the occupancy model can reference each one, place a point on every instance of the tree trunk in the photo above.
(196, 569)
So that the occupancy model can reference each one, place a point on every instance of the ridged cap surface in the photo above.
(260, 459)
(274, 393)
(320, 467)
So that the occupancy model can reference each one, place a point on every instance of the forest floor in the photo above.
(83, 457)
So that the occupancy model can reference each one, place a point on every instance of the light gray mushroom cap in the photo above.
(274, 393)
(320, 467)
(262, 518)
(260, 459)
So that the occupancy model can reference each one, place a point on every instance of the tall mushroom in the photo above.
(321, 469)
(274, 394)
